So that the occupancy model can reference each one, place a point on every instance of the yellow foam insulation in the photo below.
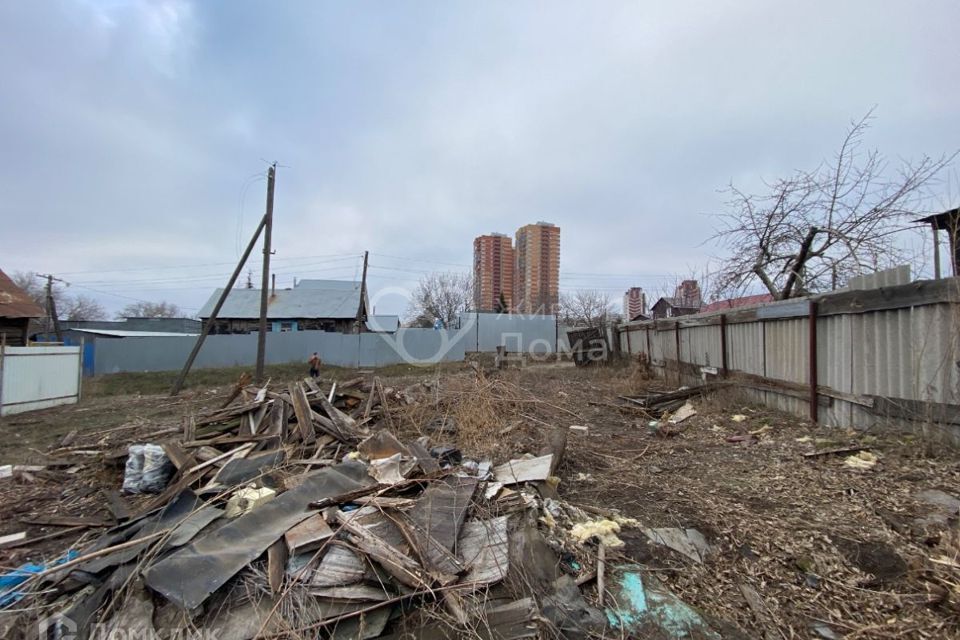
(604, 530)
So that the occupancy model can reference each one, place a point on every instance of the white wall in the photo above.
(38, 377)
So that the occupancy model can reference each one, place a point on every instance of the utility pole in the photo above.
(52, 306)
(216, 309)
(361, 311)
(265, 282)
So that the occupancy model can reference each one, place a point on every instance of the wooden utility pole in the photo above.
(265, 281)
(216, 309)
(52, 307)
(361, 311)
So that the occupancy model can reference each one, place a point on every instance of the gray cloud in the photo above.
(131, 129)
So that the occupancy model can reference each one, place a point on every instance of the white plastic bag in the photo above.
(133, 472)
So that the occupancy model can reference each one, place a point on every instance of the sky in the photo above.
(136, 134)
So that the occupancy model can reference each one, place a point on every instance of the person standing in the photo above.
(314, 363)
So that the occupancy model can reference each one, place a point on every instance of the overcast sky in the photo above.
(134, 135)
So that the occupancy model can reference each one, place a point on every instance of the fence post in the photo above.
(813, 362)
(80, 370)
(676, 331)
(3, 361)
(723, 343)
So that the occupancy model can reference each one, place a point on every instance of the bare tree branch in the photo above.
(442, 296)
(816, 228)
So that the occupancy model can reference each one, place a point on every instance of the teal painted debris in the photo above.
(641, 604)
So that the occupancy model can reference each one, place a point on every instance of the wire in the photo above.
(208, 264)
(449, 264)
(243, 196)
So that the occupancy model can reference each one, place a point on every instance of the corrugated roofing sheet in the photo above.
(14, 301)
(120, 333)
(334, 285)
(300, 302)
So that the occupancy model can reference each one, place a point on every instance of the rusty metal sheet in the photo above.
(188, 576)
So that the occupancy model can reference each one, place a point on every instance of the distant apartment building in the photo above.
(635, 304)
(493, 265)
(537, 272)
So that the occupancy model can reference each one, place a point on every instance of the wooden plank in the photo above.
(841, 451)
(345, 423)
(233, 453)
(216, 442)
(66, 521)
(922, 292)
(9, 539)
(180, 458)
(50, 536)
(355, 592)
(276, 565)
(307, 535)
(301, 407)
(396, 563)
(916, 410)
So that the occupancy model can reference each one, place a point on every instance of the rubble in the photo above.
(304, 495)
(309, 510)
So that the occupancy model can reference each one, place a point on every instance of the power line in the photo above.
(449, 264)
(289, 269)
(208, 264)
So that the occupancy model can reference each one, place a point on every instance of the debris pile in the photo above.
(298, 512)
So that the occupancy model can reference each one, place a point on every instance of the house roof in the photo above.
(121, 333)
(383, 323)
(734, 303)
(15, 302)
(330, 285)
(677, 303)
(944, 220)
(336, 301)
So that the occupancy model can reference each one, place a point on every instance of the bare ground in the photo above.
(818, 542)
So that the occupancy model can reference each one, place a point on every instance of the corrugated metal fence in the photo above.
(476, 332)
(38, 377)
(879, 357)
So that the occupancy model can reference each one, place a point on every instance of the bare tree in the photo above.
(586, 308)
(68, 307)
(160, 309)
(442, 296)
(817, 228)
(82, 307)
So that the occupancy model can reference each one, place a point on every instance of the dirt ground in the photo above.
(801, 547)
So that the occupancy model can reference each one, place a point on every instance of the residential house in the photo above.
(17, 309)
(685, 301)
(311, 305)
(672, 307)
